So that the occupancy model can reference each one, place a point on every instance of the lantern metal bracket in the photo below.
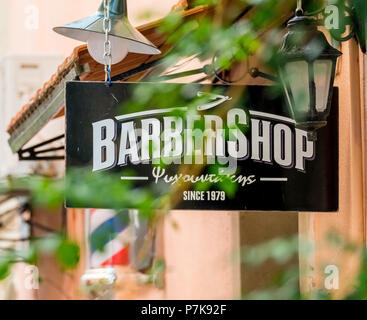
(141, 68)
(35, 153)
(256, 73)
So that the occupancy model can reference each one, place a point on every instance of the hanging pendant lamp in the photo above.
(123, 36)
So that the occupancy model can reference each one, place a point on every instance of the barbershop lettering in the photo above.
(176, 140)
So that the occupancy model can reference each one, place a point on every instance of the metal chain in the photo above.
(107, 43)
(299, 7)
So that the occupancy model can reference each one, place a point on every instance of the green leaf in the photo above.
(4, 270)
(68, 254)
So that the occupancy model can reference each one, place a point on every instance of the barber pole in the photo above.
(108, 238)
(114, 239)
(112, 232)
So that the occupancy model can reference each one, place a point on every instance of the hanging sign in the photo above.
(237, 149)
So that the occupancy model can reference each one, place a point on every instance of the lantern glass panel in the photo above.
(322, 69)
(298, 79)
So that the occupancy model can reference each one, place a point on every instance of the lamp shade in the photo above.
(121, 29)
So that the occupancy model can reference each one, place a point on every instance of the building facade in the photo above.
(201, 248)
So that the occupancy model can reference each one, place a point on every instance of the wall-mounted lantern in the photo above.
(307, 72)
(123, 36)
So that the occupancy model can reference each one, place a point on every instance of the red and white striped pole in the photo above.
(113, 239)
(108, 239)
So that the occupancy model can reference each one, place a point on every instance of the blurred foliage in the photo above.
(224, 37)
(156, 273)
(285, 284)
(57, 245)
(279, 250)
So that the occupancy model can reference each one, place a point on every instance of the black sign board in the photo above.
(243, 136)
